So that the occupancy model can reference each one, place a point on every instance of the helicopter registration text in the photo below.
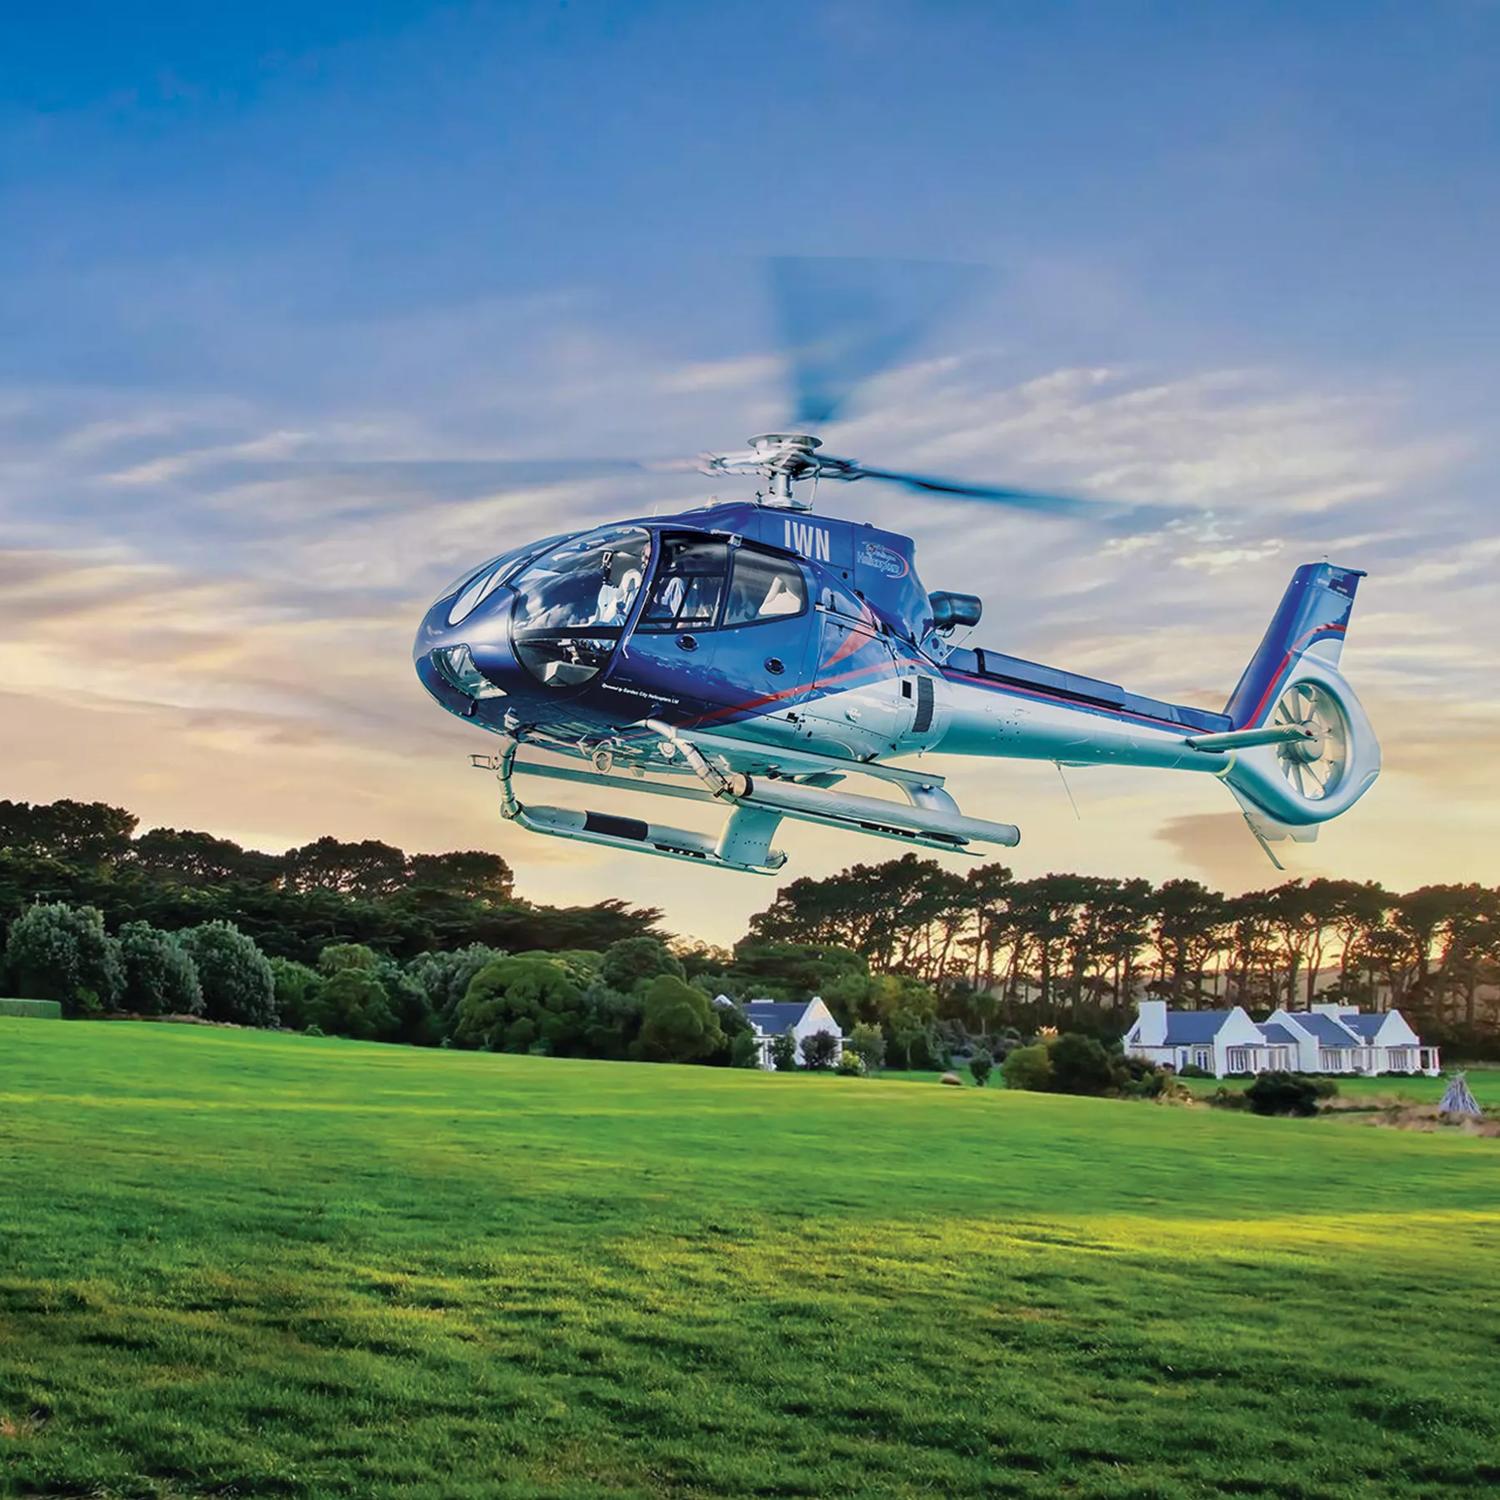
(811, 541)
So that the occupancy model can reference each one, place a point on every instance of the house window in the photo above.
(1204, 1057)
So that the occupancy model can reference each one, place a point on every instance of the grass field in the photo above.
(241, 1263)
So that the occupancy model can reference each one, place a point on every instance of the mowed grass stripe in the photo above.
(280, 1265)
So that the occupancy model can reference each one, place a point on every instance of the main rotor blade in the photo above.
(1021, 498)
(844, 321)
(450, 476)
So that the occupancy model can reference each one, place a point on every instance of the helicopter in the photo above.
(756, 655)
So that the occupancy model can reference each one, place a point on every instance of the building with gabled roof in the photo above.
(1343, 1039)
(1323, 1039)
(772, 1018)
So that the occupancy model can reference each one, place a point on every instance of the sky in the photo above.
(1238, 259)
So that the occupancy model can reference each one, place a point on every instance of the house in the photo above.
(1218, 1041)
(1323, 1039)
(770, 1019)
(1343, 1039)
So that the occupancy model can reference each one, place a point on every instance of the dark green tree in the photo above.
(236, 977)
(637, 960)
(820, 1051)
(678, 1022)
(517, 1004)
(60, 952)
(160, 978)
(298, 990)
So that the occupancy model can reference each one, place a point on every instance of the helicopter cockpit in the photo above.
(572, 604)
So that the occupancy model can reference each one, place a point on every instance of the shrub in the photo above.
(60, 952)
(981, 1065)
(1080, 1065)
(851, 1064)
(353, 1002)
(512, 1005)
(1028, 1069)
(744, 1051)
(1136, 1078)
(236, 977)
(446, 977)
(160, 979)
(1284, 1094)
(337, 957)
(297, 991)
(784, 1052)
(867, 1042)
(1192, 1070)
(819, 1051)
(678, 1023)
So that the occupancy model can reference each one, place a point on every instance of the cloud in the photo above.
(211, 592)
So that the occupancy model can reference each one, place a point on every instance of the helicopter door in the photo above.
(765, 644)
(670, 655)
(858, 706)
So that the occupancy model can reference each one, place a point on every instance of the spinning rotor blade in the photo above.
(1023, 499)
(459, 476)
(844, 321)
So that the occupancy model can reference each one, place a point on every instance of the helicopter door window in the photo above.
(688, 589)
(765, 587)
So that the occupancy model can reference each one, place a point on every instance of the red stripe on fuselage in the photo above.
(1296, 649)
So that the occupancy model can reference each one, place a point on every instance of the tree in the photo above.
(445, 976)
(981, 1065)
(517, 1004)
(783, 1050)
(368, 868)
(237, 982)
(200, 858)
(352, 1002)
(1027, 1068)
(868, 1042)
(1080, 1065)
(819, 1051)
(77, 833)
(60, 952)
(337, 957)
(473, 874)
(678, 1023)
(160, 978)
(744, 1051)
(637, 960)
(298, 992)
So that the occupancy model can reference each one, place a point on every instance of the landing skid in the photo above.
(708, 768)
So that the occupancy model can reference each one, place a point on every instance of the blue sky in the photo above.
(1238, 257)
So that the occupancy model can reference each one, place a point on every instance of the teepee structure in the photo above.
(1457, 1100)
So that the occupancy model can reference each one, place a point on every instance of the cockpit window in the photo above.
(572, 604)
(481, 584)
(764, 587)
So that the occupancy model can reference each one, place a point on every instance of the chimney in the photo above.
(1153, 1022)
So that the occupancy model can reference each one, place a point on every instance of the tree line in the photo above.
(923, 963)
(1069, 949)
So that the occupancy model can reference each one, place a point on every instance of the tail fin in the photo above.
(1287, 790)
(1312, 617)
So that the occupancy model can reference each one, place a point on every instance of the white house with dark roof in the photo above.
(1343, 1039)
(1218, 1041)
(1324, 1039)
(770, 1019)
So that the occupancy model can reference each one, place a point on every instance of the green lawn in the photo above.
(245, 1264)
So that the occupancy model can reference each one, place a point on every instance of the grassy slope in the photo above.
(274, 1265)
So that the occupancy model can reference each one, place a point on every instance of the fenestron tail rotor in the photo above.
(1314, 766)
